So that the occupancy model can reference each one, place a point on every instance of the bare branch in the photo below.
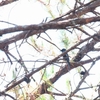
(5, 2)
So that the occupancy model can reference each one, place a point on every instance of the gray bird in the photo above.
(66, 58)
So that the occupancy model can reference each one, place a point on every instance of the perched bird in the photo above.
(27, 79)
(82, 72)
(66, 58)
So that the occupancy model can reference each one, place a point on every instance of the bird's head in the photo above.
(63, 50)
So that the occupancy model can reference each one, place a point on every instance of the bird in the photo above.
(83, 72)
(66, 58)
(27, 79)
